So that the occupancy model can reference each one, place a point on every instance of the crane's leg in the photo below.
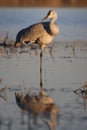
(41, 81)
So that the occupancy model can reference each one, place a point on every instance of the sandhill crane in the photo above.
(41, 33)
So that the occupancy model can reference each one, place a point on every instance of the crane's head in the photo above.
(51, 14)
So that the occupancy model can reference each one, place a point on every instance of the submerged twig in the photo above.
(3, 90)
(82, 92)
(0, 80)
(51, 51)
(25, 88)
(74, 49)
(5, 99)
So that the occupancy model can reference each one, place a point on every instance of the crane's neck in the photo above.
(54, 27)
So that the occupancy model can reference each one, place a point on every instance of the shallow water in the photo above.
(61, 75)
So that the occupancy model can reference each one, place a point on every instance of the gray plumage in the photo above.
(40, 33)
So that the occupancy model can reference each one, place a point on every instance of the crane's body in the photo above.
(42, 36)
(40, 33)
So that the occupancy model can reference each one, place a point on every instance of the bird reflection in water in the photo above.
(82, 92)
(39, 105)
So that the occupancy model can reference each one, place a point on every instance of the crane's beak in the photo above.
(46, 17)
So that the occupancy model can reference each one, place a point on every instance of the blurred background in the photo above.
(44, 3)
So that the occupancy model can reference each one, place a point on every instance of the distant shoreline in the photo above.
(43, 3)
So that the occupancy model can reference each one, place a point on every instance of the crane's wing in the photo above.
(33, 32)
